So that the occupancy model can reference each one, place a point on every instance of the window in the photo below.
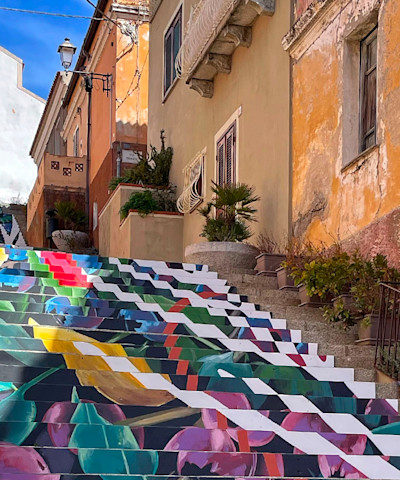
(172, 44)
(78, 167)
(368, 90)
(67, 172)
(193, 190)
(76, 143)
(226, 157)
(55, 165)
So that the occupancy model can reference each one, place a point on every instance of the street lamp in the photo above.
(67, 51)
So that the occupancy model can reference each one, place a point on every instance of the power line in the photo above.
(102, 13)
(51, 14)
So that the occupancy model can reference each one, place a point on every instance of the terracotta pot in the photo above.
(222, 256)
(69, 240)
(367, 334)
(268, 263)
(314, 300)
(285, 281)
(348, 301)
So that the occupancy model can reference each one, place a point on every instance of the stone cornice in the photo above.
(310, 24)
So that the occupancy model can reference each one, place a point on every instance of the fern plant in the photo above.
(233, 207)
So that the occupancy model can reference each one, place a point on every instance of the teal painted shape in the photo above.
(110, 449)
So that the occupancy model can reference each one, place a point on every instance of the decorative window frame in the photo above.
(190, 197)
(232, 119)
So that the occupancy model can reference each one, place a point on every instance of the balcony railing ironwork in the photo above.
(192, 194)
(387, 355)
(205, 23)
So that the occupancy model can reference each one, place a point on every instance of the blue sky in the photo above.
(35, 38)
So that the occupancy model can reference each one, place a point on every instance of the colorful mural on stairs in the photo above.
(10, 231)
(118, 369)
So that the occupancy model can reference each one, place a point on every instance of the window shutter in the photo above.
(220, 161)
(230, 156)
(168, 62)
(368, 90)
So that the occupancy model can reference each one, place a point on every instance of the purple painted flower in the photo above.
(23, 463)
(378, 406)
(331, 464)
(213, 450)
(328, 464)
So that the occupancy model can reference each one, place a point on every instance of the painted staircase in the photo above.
(122, 369)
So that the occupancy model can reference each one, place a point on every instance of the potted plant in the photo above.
(151, 170)
(270, 257)
(297, 253)
(73, 237)
(149, 201)
(226, 229)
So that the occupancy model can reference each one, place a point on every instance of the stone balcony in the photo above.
(215, 30)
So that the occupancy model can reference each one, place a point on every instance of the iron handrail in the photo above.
(387, 345)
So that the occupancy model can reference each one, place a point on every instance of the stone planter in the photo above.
(69, 240)
(314, 301)
(222, 256)
(348, 301)
(367, 334)
(285, 281)
(268, 263)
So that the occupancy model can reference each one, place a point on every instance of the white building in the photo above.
(20, 112)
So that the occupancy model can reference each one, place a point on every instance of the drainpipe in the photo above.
(89, 89)
(119, 161)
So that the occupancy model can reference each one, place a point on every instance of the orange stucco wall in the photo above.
(336, 194)
(120, 116)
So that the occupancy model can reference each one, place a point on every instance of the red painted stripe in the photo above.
(170, 341)
(192, 382)
(298, 359)
(222, 421)
(182, 367)
(170, 328)
(272, 465)
(180, 305)
(175, 353)
(243, 440)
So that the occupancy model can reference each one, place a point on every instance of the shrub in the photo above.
(73, 217)
(151, 170)
(266, 243)
(162, 200)
(143, 202)
(233, 208)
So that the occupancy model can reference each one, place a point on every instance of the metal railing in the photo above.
(387, 354)
(206, 20)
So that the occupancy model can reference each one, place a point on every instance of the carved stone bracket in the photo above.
(240, 36)
(262, 7)
(204, 87)
(221, 63)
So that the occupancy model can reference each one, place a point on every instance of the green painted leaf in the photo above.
(390, 429)
(6, 306)
(103, 447)
(18, 343)
(213, 363)
(22, 412)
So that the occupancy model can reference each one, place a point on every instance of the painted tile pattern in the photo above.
(118, 369)
(10, 231)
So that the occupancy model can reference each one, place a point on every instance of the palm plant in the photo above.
(233, 209)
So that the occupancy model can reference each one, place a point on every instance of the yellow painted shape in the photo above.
(3, 256)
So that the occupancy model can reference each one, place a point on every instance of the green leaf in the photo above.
(20, 411)
(213, 363)
(6, 306)
(103, 447)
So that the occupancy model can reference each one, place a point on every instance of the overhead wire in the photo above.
(52, 14)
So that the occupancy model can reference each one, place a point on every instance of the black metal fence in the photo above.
(387, 355)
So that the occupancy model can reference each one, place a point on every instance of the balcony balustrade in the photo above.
(215, 29)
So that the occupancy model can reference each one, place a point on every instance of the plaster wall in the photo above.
(256, 91)
(20, 112)
(336, 192)
(153, 237)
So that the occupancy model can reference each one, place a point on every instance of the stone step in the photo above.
(284, 298)
(364, 375)
(243, 281)
(387, 390)
(355, 361)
